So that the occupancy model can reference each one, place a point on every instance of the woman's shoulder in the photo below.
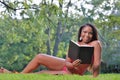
(96, 42)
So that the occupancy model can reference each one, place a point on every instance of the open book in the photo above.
(82, 52)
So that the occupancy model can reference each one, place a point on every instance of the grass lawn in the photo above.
(57, 77)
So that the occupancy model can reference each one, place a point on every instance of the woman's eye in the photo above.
(88, 32)
(91, 33)
(84, 31)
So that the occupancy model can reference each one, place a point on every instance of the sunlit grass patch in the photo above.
(57, 77)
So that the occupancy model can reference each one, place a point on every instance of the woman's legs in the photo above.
(53, 72)
(55, 65)
(3, 70)
(50, 62)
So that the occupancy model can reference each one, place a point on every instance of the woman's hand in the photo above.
(76, 63)
(73, 64)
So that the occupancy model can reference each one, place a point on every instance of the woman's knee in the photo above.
(40, 56)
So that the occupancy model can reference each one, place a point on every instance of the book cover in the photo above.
(84, 53)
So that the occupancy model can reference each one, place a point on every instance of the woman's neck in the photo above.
(83, 43)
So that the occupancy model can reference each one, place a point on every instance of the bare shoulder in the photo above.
(95, 43)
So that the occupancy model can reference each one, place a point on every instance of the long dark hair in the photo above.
(95, 33)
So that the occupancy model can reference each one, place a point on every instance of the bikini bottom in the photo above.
(65, 69)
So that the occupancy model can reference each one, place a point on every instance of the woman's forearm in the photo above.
(69, 65)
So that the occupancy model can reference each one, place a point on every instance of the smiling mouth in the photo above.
(87, 40)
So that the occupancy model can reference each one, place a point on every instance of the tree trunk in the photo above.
(48, 41)
(57, 39)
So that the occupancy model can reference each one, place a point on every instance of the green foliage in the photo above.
(20, 41)
(110, 30)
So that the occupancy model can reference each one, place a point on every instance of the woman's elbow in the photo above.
(96, 68)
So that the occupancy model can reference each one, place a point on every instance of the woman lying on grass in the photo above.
(87, 35)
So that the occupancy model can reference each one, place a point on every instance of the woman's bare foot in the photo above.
(3, 70)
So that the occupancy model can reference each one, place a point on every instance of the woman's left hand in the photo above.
(76, 63)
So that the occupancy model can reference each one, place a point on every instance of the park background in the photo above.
(29, 27)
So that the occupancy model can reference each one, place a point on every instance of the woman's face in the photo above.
(86, 34)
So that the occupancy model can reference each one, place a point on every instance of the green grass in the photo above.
(57, 77)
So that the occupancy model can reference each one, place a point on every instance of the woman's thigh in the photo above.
(51, 62)
(53, 72)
